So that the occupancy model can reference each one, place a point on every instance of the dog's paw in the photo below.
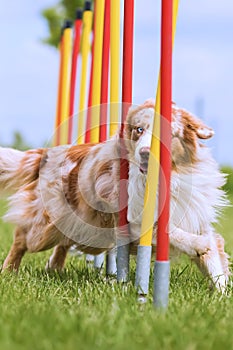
(203, 245)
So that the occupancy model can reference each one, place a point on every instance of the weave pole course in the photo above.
(145, 247)
(106, 33)
(127, 78)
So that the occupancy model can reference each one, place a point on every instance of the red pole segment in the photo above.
(127, 79)
(165, 131)
(88, 121)
(105, 73)
(76, 48)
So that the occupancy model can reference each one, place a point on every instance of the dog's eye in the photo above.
(140, 130)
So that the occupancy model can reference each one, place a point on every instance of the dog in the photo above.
(68, 195)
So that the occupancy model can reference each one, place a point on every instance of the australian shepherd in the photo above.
(69, 195)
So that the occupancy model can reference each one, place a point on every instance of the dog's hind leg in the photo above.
(57, 259)
(215, 263)
(17, 251)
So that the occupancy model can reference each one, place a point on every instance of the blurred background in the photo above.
(202, 67)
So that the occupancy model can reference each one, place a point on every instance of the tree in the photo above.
(55, 16)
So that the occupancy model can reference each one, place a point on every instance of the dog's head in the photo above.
(187, 129)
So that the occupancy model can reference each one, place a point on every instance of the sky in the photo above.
(202, 67)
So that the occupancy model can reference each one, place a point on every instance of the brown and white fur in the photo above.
(69, 194)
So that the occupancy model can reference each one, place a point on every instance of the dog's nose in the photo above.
(144, 153)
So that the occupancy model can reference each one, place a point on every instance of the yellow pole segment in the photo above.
(97, 68)
(85, 49)
(56, 139)
(114, 65)
(154, 160)
(67, 47)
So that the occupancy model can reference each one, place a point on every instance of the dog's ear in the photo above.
(197, 125)
(204, 132)
(149, 103)
(201, 129)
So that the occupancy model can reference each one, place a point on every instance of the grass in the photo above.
(80, 309)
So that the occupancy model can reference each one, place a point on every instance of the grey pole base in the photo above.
(123, 259)
(99, 261)
(161, 284)
(143, 271)
(111, 267)
(89, 258)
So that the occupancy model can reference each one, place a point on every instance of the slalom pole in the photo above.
(105, 74)
(56, 140)
(66, 65)
(127, 77)
(96, 87)
(85, 49)
(89, 104)
(115, 65)
(74, 63)
(145, 248)
(97, 68)
(111, 255)
(162, 264)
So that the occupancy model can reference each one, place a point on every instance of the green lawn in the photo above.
(79, 309)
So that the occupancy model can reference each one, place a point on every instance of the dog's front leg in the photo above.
(215, 263)
(191, 244)
(207, 251)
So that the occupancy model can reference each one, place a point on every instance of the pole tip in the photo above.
(79, 13)
(87, 6)
(67, 24)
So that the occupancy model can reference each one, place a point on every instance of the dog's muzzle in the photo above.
(144, 159)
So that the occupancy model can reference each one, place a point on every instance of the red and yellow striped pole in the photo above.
(56, 140)
(105, 74)
(88, 118)
(97, 69)
(127, 78)
(75, 53)
(114, 65)
(162, 266)
(65, 89)
(85, 50)
(144, 248)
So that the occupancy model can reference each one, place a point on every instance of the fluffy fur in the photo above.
(69, 194)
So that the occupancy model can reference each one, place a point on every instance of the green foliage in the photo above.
(19, 142)
(55, 16)
(229, 184)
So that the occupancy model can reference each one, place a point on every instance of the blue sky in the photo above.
(202, 67)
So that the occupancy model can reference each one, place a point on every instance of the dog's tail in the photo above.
(18, 168)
